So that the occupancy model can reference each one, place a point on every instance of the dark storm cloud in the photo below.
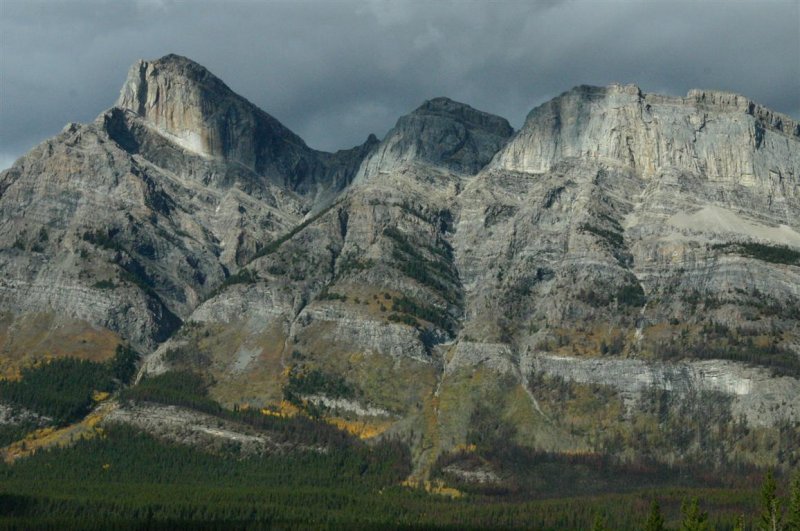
(334, 71)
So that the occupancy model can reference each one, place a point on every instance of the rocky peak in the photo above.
(140, 94)
(651, 133)
(655, 228)
(463, 113)
(444, 133)
(192, 107)
(188, 105)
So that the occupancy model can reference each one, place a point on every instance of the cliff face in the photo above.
(724, 137)
(129, 222)
(621, 225)
(625, 268)
(191, 107)
(608, 192)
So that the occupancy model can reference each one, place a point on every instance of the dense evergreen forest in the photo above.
(62, 389)
(324, 478)
(130, 480)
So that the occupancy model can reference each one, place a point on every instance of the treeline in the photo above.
(16, 431)
(326, 478)
(275, 244)
(128, 478)
(777, 254)
(313, 381)
(410, 307)
(62, 389)
(437, 273)
(243, 276)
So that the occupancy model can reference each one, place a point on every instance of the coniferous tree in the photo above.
(693, 518)
(770, 504)
(655, 521)
(599, 523)
(793, 523)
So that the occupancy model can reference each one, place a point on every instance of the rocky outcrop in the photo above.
(130, 222)
(443, 133)
(191, 107)
(758, 395)
(650, 133)
(213, 434)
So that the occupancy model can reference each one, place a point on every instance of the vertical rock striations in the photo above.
(193, 108)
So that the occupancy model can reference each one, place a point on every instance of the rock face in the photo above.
(649, 133)
(608, 192)
(621, 275)
(129, 222)
(443, 133)
(188, 105)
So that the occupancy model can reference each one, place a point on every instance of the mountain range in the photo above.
(621, 275)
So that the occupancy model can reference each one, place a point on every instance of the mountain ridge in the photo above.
(452, 268)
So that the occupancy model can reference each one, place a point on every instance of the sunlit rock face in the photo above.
(724, 137)
(194, 109)
(128, 223)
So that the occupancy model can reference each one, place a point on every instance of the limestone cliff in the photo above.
(193, 108)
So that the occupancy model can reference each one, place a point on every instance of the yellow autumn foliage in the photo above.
(360, 428)
(57, 437)
(99, 396)
(436, 486)
(469, 448)
(283, 410)
(11, 374)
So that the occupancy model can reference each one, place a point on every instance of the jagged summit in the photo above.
(442, 132)
(191, 107)
(197, 110)
(180, 70)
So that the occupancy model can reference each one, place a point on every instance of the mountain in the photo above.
(192, 108)
(119, 228)
(620, 276)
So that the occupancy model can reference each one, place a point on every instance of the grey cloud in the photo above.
(336, 71)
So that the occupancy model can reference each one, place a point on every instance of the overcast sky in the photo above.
(335, 71)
